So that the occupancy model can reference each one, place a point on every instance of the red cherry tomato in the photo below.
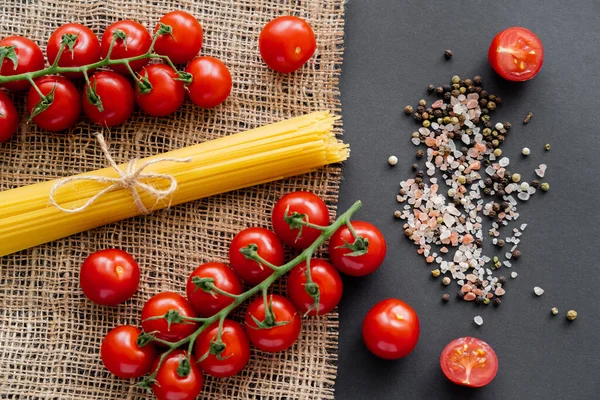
(468, 361)
(211, 82)
(185, 40)
(361, 264)
(82, 47)
(109, 277)
(136, 43)
(328, 280)
(29, 58)
(516, 54)
(116, 95)
(309, 208)
(391, 329)
(169, 385)
(160, 304)
(269, 248)
(208, 304)
(9, 117)
(165, 95)
(64, 109)
(286, 43)
(232, 359)
(275, 338)
(122, 356)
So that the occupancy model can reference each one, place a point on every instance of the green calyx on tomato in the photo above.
(144, 339)
(69, 40)
(10, 53)
(119, 34)
(93, 97)
(359, 247)
(184, 367)
(44, 103)
(172, 317)
(165, 29)
(270, 320)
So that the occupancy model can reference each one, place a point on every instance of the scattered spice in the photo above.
(545, 186)
(446, 281)
(397, 214)
(571, 315)
(420, 153)
(547, 147)
(435, 273)
(516, 254)
(528, 118)
(430, 88)
(525, 151)
(408, 110)
(393, 160)
(445, 297)
(448, 54)
(554, 310)
(422, 102)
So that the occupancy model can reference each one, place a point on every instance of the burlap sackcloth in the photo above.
(50, 334)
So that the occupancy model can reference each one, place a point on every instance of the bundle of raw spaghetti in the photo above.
(47, 211)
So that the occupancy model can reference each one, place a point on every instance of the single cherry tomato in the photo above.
(9, 117)
(121, 354)
(211, 81)
(516, 54)
(469, 361)
(114, 94)
(19, 55)
(270, 249)
(391, 329)
(229, 361)
(161, 94)
(169, 385)
(161, 304)
(297, 207)
(109, 277)
(221, 276)
(279, 332)
(329, 284)
(82, 47)
(61, 108)
(286, 43)
(357, 265)
(132, 40)
(185, 40)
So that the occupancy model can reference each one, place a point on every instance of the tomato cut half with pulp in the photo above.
(469, 361)
(516, 54)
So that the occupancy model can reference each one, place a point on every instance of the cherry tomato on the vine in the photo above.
(159, 305)
(516, 54)
(169, 385)
(185, 40)
(329, 283)
(269, 248)
(60, 110)
(122, 356)
(82, 47)
(211, 81)
(232, 359)
(391, 329)
(208, 304)
(299, 206)
(164, 94)
(346, 261)
(469, 361)
(109, 277)
(276, 335)
(115, 95)
(286, 43)
(137, 41)
(9, 117)
(19, 55)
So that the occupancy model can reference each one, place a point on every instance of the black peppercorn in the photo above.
(501, 280)
(471, 89)
(501, 138)
(455, 93)
(418, 117)
(450, 135)
(484, 94)
(505, 205)
(448, 54)
(483, 103)
(429, 110)
(418, 180)
(445, 297)
(421, 185)
(504, 182)
(468, 82)
(492, 213)
(430, 88)
(420, 174)
(497, 301)
(437, 113)
(478, 89)
(420, 153)
(487, 182)
(475, 120)
(420, 109)
(496, 178)
(478, 300)
(415, 167)
(487, 162)
(469, 180)
(516, 254)
(507, 125)
(496, 207)
(508, 175)
(477, 80)
(460, 295)
(492, 97)
(447, 88)
(478, 243)
(447, 96)
(498, 100)
(500, 243)
(501, 193)
(487, 191)
(439, 90)
(535, 183)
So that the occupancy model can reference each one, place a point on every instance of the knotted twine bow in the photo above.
(130, 179)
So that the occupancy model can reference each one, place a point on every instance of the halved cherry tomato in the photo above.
(329, 283)
(116, 96)
(229, 361)
(169, 385)
(161, 304)
(165, 93)
(299, 206)
(357, 265)
(469, 361)
(137, 42)
(516, 54)
(211, 81)
(9, 117)
(122, 356)
(279, 333)
(269, 248)
(391, 329)
(185, 40)
(64, 109)
(109, 277)
(286, 43)
(208, 304)
(28, 57)
(82, 47)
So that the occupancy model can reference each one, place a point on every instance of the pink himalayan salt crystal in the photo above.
(470, 296)
(439, 160)
(478, 292)
(475, 166)
(437, 104)
(471, 104)
(434, 189)
(471, 277)
(432, 223)
(489, 295)
(429, 259)
(467, 239)
(430, 142)
(454, 238)
(473, 152)
(480, 147)
(444, 249)
(499, 292)
(466, 288)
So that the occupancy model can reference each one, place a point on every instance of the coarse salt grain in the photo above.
(393, 160)
(478, 320)
(538, 291)
(513, 274)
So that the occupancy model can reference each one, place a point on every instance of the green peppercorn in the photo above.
(446, 120)
(487, 131)
(516, 177)
(435, 273)
(462, 90)
(498, 152)
(486, 301)
(495, 143)
(454, 120)
(426, 123)
(571, 315)
(485, 118)
(455, 79)
(545, 186)
(492, 97)
(422, 102)
(430, 88)
(416, 135)
(491, 106)
(462, 180)
(547, 146)
(408, 110)
(495, 133)
(455, 86)
(554, 310)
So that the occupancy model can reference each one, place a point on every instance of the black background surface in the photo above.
(394, 49)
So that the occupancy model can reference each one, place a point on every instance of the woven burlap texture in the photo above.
(50, 334)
